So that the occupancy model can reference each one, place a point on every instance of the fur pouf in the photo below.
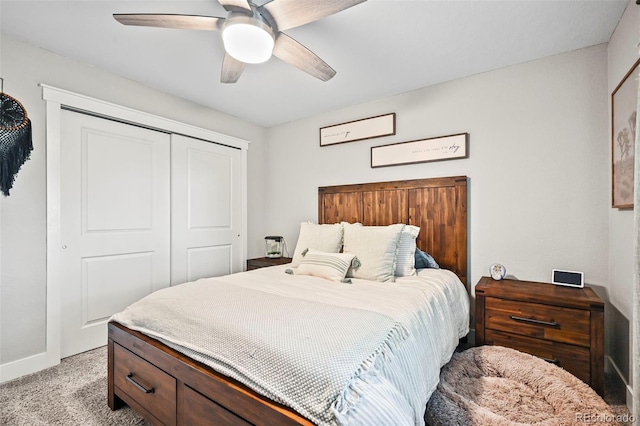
(493, 385)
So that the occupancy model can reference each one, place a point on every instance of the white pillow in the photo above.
(331, 266)
(375, 247)
(326, 238)
(405, 258)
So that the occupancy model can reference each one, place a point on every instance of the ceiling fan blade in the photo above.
(302, 58)
(290, 14)
(183, 22)
(231, 69)
(235, 5)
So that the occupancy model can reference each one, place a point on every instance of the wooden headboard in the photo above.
(438, 206)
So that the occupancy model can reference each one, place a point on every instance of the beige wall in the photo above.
(623, 51)
(538, 162)
(23, 214)
(539, 194)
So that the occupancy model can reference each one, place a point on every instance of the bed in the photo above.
(171, 377)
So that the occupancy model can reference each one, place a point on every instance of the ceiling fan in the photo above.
(251, 34)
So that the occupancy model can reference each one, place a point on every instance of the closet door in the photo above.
(206, 209)
(115, 223)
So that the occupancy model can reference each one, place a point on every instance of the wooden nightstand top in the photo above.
(537, 292)
(263, 262)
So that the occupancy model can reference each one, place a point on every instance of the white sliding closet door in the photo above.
(115, 223)
(206, 209)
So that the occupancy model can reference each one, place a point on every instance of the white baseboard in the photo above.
(610, 366)
(24, 366)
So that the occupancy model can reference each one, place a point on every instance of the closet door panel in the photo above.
(115, 234)
(210, 261)
(206, 218)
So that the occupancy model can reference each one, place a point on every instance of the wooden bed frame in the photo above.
(169, 388)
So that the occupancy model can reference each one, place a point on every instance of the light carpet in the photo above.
(72, 393)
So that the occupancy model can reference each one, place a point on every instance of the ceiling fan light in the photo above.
(248, 40)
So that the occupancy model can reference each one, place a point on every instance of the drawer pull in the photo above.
(552, 360)
(138, 385)
(535, 321)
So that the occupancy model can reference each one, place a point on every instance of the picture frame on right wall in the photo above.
(624, 109)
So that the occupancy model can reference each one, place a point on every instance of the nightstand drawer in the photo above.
(574, 359)
(558, 324)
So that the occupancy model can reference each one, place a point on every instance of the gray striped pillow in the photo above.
(331, 266)
(405, 256)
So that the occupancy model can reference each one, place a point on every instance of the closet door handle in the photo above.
(138, 385)
(535, 321)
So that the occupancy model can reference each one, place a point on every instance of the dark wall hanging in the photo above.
(15, 139)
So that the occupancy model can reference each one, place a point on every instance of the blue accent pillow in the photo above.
(425, 260)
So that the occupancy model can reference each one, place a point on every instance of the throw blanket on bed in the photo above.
(304, 343)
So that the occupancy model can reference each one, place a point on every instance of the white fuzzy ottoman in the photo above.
(493, 385)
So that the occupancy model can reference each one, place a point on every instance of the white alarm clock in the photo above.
(497, 271)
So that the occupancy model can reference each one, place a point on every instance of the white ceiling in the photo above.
(378, 48)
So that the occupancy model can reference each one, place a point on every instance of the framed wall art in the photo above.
(366, 128)
(624, 109)
(420, 151)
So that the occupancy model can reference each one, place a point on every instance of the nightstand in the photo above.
(562, 325)
(263, 262)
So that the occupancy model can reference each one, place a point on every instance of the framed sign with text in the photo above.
(366, 128)
(420, 151)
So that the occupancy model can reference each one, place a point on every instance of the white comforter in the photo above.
(349, 354)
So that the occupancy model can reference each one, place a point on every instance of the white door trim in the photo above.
(55, 100)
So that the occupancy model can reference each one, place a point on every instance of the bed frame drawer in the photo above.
(197, 409)
(558, 324)
(145, 385)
